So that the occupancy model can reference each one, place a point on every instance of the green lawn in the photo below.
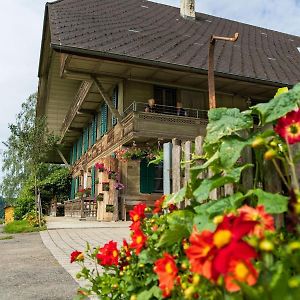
(21, 227)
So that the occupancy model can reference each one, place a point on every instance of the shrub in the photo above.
(33, 219)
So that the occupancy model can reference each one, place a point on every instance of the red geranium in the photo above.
(288, 127)
(100, 166)
(138, 212)
(167, 271)
(108, 255)
(138, 241)
(265, 221)
(158, 205)
(76, 256)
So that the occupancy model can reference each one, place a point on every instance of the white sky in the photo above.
(21, 29)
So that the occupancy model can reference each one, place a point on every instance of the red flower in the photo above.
(108, 255)
(172, 207)
(138, 241)
(167, 271)
(288, 127)
(99, 166)
(200, 252)
(135, 226)
(158, 205)
(126, 248)
(265, 221)
(138, 212)
(240, 271)
(76, 256)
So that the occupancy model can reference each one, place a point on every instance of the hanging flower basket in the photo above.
(100, 197)
(119, 186)
(109, 208)
(112, 175)
(100, 167)
(105, 186)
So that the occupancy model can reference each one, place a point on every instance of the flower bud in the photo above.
(196, 279)
(188, 293)
(218, 219)
(266, 245)
(133, 297)
(293, 246)
(270, 154)
(258, 142)
(184, 266)
(294, 282)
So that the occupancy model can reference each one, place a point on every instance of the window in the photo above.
(151, 178)
(165, 96)
(103, 124)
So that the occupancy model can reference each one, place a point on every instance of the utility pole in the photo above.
(211, 66)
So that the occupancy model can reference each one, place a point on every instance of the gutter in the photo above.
(142, 61)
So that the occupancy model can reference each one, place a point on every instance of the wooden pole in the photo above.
(176, 155)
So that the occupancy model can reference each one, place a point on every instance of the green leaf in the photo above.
(180, 226)
(225, 121)
(204, 222)
(278, 284)
(153, 292)
(251, 293)
(176, 197)
(231, 150)
(207, 185)
(278, 106)
(273, 203)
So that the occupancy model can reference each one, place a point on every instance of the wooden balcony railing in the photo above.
(81, 208)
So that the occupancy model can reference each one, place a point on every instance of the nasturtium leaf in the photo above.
(207, 185)
(273, 203)
(278, 106)
(225, 121)
(203, 222)
(278, 285)
(176, 197)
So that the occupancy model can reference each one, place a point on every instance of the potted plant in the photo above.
(105, 186)
(100, 197)
(100, 167)
(88, 192)
(80, 193)
(112, 175)
(109, 208)
(119, 186)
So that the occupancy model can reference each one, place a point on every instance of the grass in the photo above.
(6, 237)
(21, 227)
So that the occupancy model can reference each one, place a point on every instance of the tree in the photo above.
(27, 147)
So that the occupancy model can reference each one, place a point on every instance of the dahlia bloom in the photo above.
(138, 241)
(167, 272)
(138, 212)
(158, 205)
(265, 220)
(76, 256)
(108, 255)
(288, 127)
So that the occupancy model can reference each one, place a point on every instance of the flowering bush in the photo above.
(228, 248)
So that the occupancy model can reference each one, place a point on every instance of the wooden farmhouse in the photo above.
(103, 60)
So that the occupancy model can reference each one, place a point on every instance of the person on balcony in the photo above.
(151, 106)
(180, 111)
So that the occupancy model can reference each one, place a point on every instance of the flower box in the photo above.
(100, 167)
(109, 208)
(100, 197)
(105, 186)
(112, 175)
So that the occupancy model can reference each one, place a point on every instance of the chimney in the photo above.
(187, 9)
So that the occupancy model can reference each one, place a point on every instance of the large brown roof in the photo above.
(154, 33)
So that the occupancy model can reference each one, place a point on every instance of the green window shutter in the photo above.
(147, 174)
(116, 103)
(93, 181)
(99, 124)
(75, 152)
(72, 195)
(95, 128)
(71, 157)
(86, 139)
(91, 135)
(103, 119)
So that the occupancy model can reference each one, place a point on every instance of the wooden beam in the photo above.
(75, 129)
(86, 112)
(63, 158)
(107, 99)
(64, 63)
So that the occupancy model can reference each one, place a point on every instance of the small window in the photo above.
(151, 178)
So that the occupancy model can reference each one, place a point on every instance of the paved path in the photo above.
(28, 271)
(65, 235)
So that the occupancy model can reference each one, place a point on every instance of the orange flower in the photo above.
(76, 256)
(265, 221)
(288, 127)
(138, 212)
(138, 241)
(167, 271)
(108, 255)
(200, 252)
(240, 271)
(158, 205)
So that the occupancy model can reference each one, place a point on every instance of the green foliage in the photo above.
(21, 226)
(33, 219)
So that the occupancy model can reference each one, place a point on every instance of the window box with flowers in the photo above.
(112, 175)
(100, 197)
(100, 167)
(109, 208)
(105, 186)
(84, 193)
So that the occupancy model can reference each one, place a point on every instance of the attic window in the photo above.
(208, 21)
(298, 48)
(144, 6)
(271, 58)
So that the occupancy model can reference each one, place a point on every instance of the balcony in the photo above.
(140, 126)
